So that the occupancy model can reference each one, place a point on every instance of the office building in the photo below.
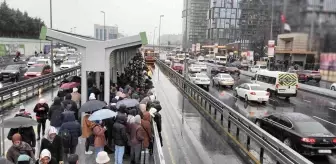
(112, 32)
(196, 22)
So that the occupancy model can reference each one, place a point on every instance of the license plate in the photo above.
(325, 151)
(5, 75)
(260, 99)
(282, 90)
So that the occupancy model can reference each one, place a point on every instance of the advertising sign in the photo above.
(193, 47)
(198, 47)
(250, 55)
(216, 48)
(328, 66)
(270, 51)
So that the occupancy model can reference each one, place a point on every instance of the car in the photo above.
(307, 75)
(251, 112)
(68, 64)
(193, 68)
(37, 70)
(256, 68)
(251, 92)
(223, 79)
(14, 72)
(59, 59)
(232, 70)
(32, 61)
(200, 79)
(300, 132)
(215, 70)
(333, 86)
(43, 61)
(177, 66)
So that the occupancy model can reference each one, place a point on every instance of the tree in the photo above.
(14, 23)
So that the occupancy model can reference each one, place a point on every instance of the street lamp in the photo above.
(104, 25)
(160, 41)
(154, 40)
(51, 51)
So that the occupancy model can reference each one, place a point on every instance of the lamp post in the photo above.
(154, 40)
(51, 51)
(104, 25)
(160, 41)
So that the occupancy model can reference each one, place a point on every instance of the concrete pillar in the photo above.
(84, 86)
(98, 84)
(114, 69)
(107, 76)
(120, 61)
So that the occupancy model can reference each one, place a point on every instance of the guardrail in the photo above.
(24, 90)
(252, 142)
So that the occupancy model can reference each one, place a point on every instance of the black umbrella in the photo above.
(92, 105)
(5, 161)
(128, 102)
(18, 122)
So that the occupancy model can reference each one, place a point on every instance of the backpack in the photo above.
(66, 138)
(67, 107)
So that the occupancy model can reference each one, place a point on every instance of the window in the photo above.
(273, 118)
(285, 122)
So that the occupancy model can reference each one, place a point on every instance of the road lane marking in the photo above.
(165, 138)
(307, 101)
(332, 109)
(324, 120)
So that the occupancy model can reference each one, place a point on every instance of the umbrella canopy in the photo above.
(18, 122)
(102, 114)
(128, 102)
(69, 85)
(92, 105)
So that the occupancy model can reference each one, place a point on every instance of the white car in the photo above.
(199, 79)
(251, 92)
(333, 86)
(68, 64)
(256, 68)
(223, 79)
(193, 68)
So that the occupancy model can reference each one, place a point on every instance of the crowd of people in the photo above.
(128, 133)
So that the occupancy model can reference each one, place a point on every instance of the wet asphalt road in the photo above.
(187, 137)
(321, 108)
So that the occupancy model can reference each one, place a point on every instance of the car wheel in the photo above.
(288, 142)
(246, 98)
(333, 88)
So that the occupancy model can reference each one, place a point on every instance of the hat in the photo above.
(114, 100)
(52, 130)
(73, 158)
(137, 119)
(74, 89)
(92, 96)
(117, 98)
(102, 157)
(42, 101)
(23, 157)
(45, 153)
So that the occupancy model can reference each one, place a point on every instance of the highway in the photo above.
(187, 137)
(321, 108)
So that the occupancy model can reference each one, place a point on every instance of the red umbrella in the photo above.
(69, 85)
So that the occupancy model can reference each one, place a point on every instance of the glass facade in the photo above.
(196, 22)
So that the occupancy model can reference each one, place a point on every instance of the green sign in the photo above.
(2, 50)
(43, 33)
(143, 37)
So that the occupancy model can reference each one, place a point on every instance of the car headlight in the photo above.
(13, 72)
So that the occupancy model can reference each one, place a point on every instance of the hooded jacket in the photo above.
(75, 96)
(87, 127)
(145, 123)
(74, 128)
(41, 114)
(46, 153)
(54, 146)
(119, 130)
(99, 132)
(55, 113)
(15, 151)
(68, 104)
(137, 132)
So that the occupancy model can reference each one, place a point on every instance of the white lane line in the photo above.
(325, 120)
(307, 101)
(332, 109)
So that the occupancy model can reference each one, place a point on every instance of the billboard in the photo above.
(270, 50)
(198, 47)
(193, 47)
(328, 66)
(216, 48)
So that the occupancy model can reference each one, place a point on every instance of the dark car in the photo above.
(300, 132)
(307, 75)
(59, 59)
(13, 72)
(232, 70)
(216, 70)
(37, 70)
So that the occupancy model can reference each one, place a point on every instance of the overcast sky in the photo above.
(131, 16)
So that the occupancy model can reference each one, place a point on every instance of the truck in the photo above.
(150, 59)
(163, 57)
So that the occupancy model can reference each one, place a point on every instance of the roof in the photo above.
(252, 84)
(294, 116)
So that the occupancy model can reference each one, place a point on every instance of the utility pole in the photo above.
(154, 40)
(271, 33)
(185, 56)
(159, 42)
(284, 12)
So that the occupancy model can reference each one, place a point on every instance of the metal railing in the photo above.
(249, 140)
(24, 90)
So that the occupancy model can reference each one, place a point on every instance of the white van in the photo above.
(282, 84)
(221, 60)
(256, 68)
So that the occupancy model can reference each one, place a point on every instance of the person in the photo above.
(27, 133)
(137, 136)
(157, 118)
(119, 135)
(99, 137)
(46, 158)
(102, 158)
(75, 96)
(87, 127)
(73, 159)
(19, 147)
(41, 109)
(70, 131)
(70, 105)
(53, 143)
(146, 125)
(92, 96)
(24, 159)
(55, 113)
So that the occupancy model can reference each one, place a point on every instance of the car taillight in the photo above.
(267, 94)
(252, 93)
(308, 140)
(25, 74)
(277, 86)
(334, 140)
(38, 74)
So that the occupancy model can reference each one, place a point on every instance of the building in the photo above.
(170, 39)
(112, 32)
(196, 22)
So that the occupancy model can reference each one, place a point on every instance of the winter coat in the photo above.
(27, 134)
(109, 131)
(119, 130)
(74, 128)
(55, 147)
(14, 152)
(145, 123)
(68, 104)
(87, 127)
(158, 120)
(55, 113)
(41, 114)
(76, 97)
(137, 134)
(99, 133)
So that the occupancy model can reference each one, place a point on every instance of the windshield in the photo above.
(225, 76)
(32, 59)
(311, 127)
(12, 67)
(222, 59)
(41, 62)
(59, 56)
(61, 52)
(263, 67)
(69, 62)
(202, 75)
(35, 69)
(256, 88)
